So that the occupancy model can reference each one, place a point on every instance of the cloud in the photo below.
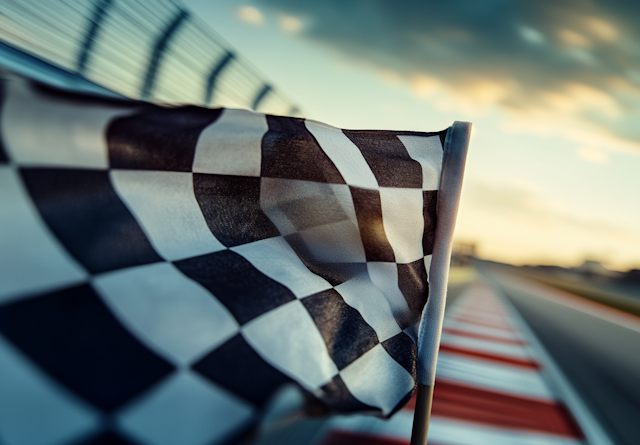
(514, 222)
(575, 59)
(521, 204)
(532, 35)
(290, 24)
(593, 155)
(250, 15)
(571, 38)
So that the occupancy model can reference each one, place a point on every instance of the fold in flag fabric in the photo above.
(166, 273)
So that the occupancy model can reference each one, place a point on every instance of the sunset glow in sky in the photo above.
(552, 89)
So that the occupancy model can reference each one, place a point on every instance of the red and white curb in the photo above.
(493, 387)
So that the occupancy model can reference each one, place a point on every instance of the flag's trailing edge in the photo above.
(166, 272)
(454, 158)
(456, 145)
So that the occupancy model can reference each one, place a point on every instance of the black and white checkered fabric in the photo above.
(165, 271)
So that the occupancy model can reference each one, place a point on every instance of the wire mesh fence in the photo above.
(143, 49)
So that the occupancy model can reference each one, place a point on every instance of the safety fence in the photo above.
(153, 50)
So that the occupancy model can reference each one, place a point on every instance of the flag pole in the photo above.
(422, 414)
(454, 157)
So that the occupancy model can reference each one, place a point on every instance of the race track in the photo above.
(597, 348)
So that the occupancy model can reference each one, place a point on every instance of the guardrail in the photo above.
(152, 50)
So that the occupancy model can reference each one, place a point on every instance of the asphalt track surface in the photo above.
(597, 349)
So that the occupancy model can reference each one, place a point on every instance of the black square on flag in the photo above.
(233, 280)
(75, 338)
(342, 327)
(235, 366)
(84, 212)
(231, 207)
(158, 138)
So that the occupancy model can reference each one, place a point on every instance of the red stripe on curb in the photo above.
(501, 326)
(492, 357)
(468, 309)
(487, 407)
(482, 336)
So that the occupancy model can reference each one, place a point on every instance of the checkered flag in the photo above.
(166, 273)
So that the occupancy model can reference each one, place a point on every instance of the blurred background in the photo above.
(552, 88)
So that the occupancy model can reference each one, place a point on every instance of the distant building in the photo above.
(462, 254)
(595, 269)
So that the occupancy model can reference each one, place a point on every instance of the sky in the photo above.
(552, 89)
